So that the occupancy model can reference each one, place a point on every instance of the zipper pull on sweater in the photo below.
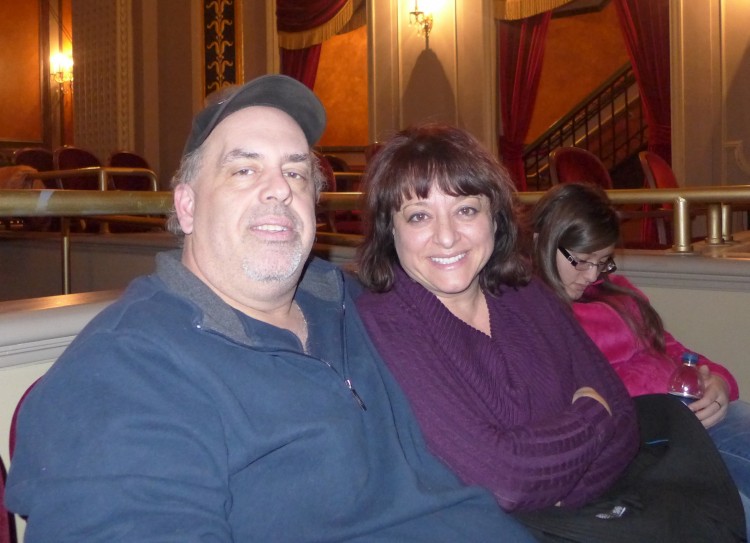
(356, 396)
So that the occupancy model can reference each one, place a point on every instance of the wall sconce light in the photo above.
(423, 21)
(61, 69)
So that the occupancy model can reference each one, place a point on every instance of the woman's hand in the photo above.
(712, 407)
(589, 392)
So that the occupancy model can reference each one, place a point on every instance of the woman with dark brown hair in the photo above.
(508, 389)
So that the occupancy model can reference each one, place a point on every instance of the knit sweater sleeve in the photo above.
(506, 422)
(592, 369)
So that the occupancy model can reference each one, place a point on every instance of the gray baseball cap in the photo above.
(278, 91)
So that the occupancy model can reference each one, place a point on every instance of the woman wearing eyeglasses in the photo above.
(575, 233)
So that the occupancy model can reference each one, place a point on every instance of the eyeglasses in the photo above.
(608, 266)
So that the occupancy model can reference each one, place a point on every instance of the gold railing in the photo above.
(81, 203)
(103, 173)
(718, 204)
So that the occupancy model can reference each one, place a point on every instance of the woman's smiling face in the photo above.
(444, 241)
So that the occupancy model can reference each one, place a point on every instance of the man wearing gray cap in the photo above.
(233, 394)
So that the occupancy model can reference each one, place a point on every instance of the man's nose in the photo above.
(276, 186)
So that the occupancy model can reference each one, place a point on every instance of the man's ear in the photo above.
(184, 205)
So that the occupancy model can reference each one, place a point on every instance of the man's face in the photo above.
(249, 216)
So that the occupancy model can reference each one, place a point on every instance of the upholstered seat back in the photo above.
(572, 164)
(127, 159)
(70, 158)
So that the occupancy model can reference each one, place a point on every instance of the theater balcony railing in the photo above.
(716, 203)
(104, 174)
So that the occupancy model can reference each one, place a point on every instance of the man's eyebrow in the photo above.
(239, 154)
(297, 157)
(236, 154)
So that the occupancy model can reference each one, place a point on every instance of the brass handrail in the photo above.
(101, 172)
(718, 202)
(80, 203)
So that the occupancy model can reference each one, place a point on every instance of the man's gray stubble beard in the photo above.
(258, 271)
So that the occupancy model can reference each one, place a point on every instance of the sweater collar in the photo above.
(442, 323)
(320, 279)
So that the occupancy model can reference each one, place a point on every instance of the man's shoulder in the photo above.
(144, 304)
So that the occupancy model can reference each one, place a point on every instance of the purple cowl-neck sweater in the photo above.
(498, 409)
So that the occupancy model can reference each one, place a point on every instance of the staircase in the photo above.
(609, 123)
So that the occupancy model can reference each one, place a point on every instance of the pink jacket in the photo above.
(643, 370)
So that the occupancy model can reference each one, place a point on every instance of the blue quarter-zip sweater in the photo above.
(173, 417)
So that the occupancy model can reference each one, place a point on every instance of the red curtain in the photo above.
(301, 64)
(293, 16)
(520, 55)
(645, 26)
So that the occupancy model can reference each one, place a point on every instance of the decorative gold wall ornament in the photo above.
(222, 38)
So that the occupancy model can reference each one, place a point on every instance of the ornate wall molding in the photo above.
(103, 94)
(222, 44)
